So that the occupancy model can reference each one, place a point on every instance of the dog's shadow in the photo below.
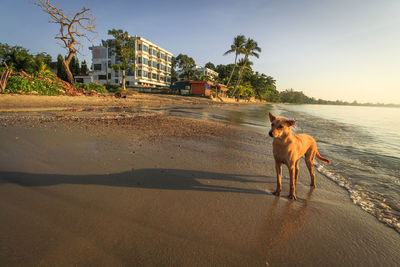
(165, 179)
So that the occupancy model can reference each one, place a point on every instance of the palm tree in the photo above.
(243, 65)
(237, 48)
(250, 49)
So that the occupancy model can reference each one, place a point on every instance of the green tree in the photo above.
(244, 65)
(174, 75)
(264, 87)
(238, 48)
(74, 66)
(246, 89)
(271, 94)
(224, 72)
(185, 65)
(19, 58)
(124, 51)
(210, 65)
(292, 96)
(84, 68)
(43, 57)
(250, 49)
(60, 69)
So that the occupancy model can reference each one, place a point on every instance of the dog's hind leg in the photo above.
(278, 167)
(310, 166)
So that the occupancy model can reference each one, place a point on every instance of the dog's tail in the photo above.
(321, 158)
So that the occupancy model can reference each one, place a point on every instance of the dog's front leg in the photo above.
(292, 173)
(278, 167)
(297, 171)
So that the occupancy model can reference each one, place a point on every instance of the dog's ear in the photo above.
(291, 122)
(271, 117)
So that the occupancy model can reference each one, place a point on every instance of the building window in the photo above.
(130, 73)
(154, 52)
(169, 59)
(149, 75)
(117, 81)
(102, 77)
(127, 82)
(145, 61)
(145, 48)
(144, 73)
(140, 60)
(139, 73)
(109, 75)
(162, 78)
(154, 76)
(97, 66)
(169, 69)
(162, 56)
(154, 64)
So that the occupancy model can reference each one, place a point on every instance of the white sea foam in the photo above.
(364, 199)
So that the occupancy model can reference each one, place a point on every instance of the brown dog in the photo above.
(288, 148)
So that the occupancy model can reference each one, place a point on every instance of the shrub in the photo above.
(113, 88)
(21, 85)
(91, 87)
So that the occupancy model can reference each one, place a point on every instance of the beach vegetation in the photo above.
(92, 87)
(122, 45)
(72, 29)
(35, 85)
(113, 88)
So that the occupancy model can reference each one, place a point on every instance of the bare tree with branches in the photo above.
(72, 29)
(4, 75)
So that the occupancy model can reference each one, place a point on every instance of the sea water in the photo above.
(363, 144)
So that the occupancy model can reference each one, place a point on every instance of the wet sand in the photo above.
(156, 190)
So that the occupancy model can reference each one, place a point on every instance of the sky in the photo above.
(331, 49)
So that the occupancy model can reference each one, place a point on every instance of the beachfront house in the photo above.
(152, 65)
(200, 88)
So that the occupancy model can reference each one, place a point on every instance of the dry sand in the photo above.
(151, 190)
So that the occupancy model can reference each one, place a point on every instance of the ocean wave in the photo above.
(371, 202)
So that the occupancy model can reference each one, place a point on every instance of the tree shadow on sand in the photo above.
(166, 179)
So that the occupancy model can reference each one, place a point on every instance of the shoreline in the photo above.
(154, 189)
(13, 101)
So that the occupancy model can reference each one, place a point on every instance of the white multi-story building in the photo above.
(152, 65)
(209, 73)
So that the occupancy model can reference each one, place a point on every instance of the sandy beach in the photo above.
(82, 185)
